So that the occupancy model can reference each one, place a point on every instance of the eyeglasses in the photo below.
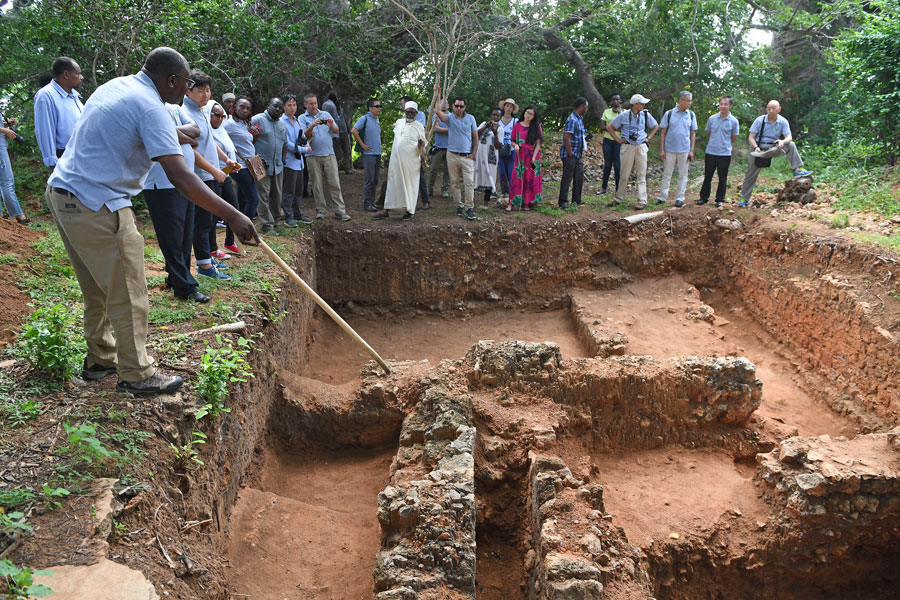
(459, 106)
(190, 82)
(376, 106)
(220, 115)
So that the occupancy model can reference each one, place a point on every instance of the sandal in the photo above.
(25, 221)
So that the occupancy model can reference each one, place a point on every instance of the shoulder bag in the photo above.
(762, 161)
(256, 165)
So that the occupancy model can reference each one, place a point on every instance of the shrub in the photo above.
(52, 343)
(219, 367)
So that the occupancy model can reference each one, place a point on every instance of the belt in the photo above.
(62, 192)
(459, 153)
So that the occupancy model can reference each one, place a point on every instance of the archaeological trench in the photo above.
(686, 407)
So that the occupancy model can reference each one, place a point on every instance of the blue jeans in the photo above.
(8, 185)
(611, 150)
(505, 167)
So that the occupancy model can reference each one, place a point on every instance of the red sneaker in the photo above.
(221, 255)
(232, 248)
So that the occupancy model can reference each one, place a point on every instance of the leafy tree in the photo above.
(867, 63)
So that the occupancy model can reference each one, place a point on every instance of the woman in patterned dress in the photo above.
(526, 186)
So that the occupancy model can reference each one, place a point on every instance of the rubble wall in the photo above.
(575, 549)
(427, 513)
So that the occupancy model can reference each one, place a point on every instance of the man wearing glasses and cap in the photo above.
(630, 130)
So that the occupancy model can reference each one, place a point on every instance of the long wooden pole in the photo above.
(318, 299)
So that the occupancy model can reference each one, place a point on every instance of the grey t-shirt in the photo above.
(459, 133)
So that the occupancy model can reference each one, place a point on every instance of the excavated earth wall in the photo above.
(821, 318)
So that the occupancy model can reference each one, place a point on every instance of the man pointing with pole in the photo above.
(124, 128)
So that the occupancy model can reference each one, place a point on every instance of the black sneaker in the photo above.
(96, 371)
(304, 219)
(701, 202)
(407, 216)
(158, 383)
(195, 296)
(470, 215)
(459, 211)
(564, 205)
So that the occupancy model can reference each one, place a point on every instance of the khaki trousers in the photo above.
(107, 254)
(270, 198)
(461, 168)
(672, 159)
(633, 157)
(323, 170)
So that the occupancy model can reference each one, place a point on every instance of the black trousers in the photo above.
(715, 164)
(173, 220)
(203, 223)
(573, 174)
(230, 195)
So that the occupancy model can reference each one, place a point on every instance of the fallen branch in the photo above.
(164, 553)
(632, 219)
(226, 328)
(197, 524)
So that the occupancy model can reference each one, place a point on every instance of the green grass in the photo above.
(840, 221)
(891, 242)
(8, 259)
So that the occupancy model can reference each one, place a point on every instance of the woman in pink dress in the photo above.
(526, 186)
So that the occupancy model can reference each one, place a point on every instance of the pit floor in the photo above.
(313, 533)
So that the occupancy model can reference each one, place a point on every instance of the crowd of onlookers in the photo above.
(161, 133)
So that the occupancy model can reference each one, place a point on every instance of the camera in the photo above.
(588, 136)
(632, 136)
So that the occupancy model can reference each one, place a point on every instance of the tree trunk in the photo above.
(556, 42)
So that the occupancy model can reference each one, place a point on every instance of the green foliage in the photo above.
(52, 496)
(840, 221)
(13, 523)
(19, 410)
(187, 456)
(20, 581)
(219, 367)
(83, 445)
(867, 63)
(8, 259)
(52, 342)
(15, 497)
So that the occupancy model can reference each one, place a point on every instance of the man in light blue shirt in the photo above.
(722, 129)
(679, 134)
(321, 163)
(438, 155)
(367, 133)
(272, 145)
(124, 129)
(57, 107)
(770, 136)
(292, 176)
(462, 140)
(634, 139)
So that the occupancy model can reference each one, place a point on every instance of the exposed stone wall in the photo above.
(427, 513)
(601, 341)
(575, 548)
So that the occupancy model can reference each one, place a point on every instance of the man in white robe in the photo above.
(407, 152)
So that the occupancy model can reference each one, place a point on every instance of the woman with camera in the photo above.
(526, 185)
(506, 155)
(7, 181)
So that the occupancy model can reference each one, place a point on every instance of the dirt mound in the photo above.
(15, 246)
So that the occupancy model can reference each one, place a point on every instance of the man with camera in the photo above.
(367, 133)
(574, 140)
(634, 141)
(57, 107)
(7, 181)
(770, 136)
(318, 126)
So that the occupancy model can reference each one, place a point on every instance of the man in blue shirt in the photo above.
(722, 129)
(770, 136)
(369, 127)
(571, 151)
(124, 129)
(272, 145)
(321, 163)
(57, 107)
(679, 134)
(462, 140)
(634, 139)
(438, 154)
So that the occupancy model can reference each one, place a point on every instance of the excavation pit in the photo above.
(630, 416)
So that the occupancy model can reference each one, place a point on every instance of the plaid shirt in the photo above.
(575, 126)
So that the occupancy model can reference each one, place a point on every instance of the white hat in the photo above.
(228, 96)
(638, 99)
(411, 104)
